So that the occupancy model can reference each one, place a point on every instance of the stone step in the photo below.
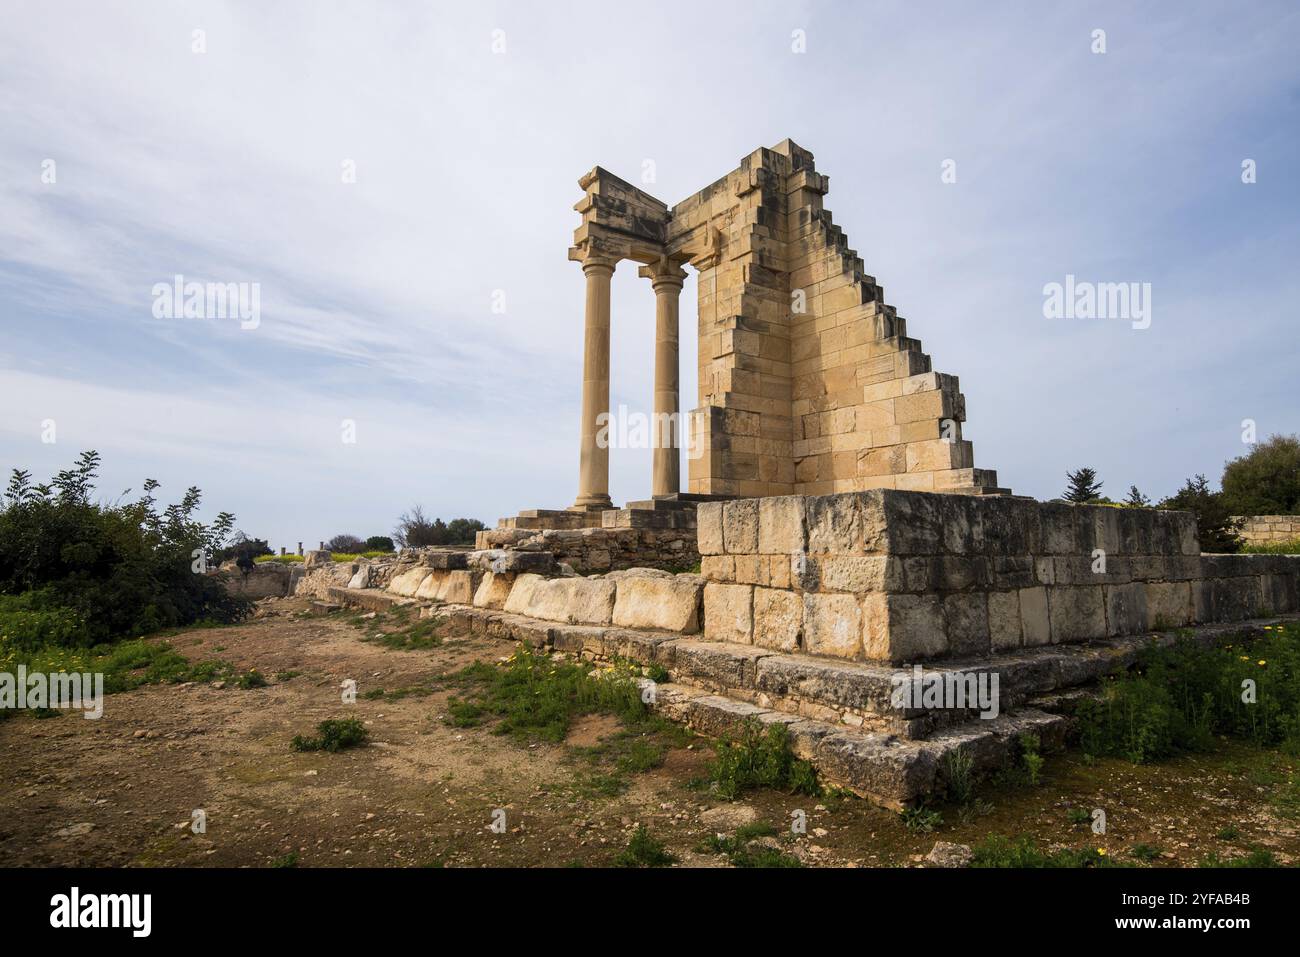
(883, 768)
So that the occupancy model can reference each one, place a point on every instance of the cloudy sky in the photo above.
(377, 296)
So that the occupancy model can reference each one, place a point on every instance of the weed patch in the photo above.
(333, 734)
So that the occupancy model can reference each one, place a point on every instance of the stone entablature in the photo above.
(903, 576)
(1269, 529)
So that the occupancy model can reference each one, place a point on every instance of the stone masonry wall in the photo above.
(808, 380)
(1270, 529)
(593, 550)
(899, 576)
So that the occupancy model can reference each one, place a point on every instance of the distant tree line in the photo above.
(1265, 481)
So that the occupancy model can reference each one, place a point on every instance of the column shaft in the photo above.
(593, 469)
(666, 468)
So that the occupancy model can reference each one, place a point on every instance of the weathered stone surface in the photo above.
(408, 582)
(917, 628)
(659, 601)
(832, 625)
(781, 525)
(1077, 613)
(946, 854)
(445, 560)
(729, 613)
(457, 587)
(1004, 620)
(1126, 609)
(1035, 623)
(316, 556)
(1169, 605)
(778, 619)
(578, 601)
(493, 590)
(432, 584)
(740, 527)
(708, 516)
(860, 573)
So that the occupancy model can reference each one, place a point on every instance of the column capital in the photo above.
(585, 257)
(665, 271)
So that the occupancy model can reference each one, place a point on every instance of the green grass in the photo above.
(759, 758)
(643, 850)
(1255, 858)
(533, 697)
(333, 734)
(1180, 698)
(288, 860)
(396, 629)
(1023, 852)
(1273, 548)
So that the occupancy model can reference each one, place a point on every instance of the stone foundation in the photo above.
(903, 576)
(595, 550)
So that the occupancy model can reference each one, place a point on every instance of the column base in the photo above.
(591, 503)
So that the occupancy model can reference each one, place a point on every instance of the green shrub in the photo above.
(333, 734)
(760, 758)
(743, 850)
(35, 619)
(120, 570)
(1273, 548)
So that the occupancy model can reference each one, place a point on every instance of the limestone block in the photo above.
(408, 582)
(493, 590)
(316, 556)
(1004, 620)
(361, 579)
(1169, 604)
(521, 594)
(834, 525)
(729, 613)
(457, 587)
(1060, 529)
(781, 525)
(432, 584)
(917, 627)
(576, 601)
(1227, 599)
(1035, 625)
(667, 603)
(444, 560)
(860, 573)
(966, 620)
(708, 517)
(1126, 609)
(778, 619)
(914, 522)
(832, 625)
(718, 568)
(1077, 613)
(740, 527)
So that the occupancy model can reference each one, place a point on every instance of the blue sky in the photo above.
(377, 295)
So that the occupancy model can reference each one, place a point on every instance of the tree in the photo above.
(1136, 499)
(1084, 487)
(416, 530)
(379, 543)
(243, 550)
(346, 544)
(1267, 480)
(1214, 523)
(460, 531)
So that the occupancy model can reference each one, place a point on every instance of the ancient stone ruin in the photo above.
(850, 554)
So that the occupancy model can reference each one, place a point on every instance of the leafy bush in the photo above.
(761, 758)
(118, 569)
(1266, 481)
(333, 734)
(1178, 698)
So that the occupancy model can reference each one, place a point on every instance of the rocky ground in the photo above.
(121, 791)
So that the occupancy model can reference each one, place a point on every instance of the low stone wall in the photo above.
(267, 580)
(595, 550)
(900, 576)
(1269, 529)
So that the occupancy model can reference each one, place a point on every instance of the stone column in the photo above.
(666, 469)
(593, 469)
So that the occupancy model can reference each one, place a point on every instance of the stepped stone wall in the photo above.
(901, 576)
(1269, 529)
(808, 381)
